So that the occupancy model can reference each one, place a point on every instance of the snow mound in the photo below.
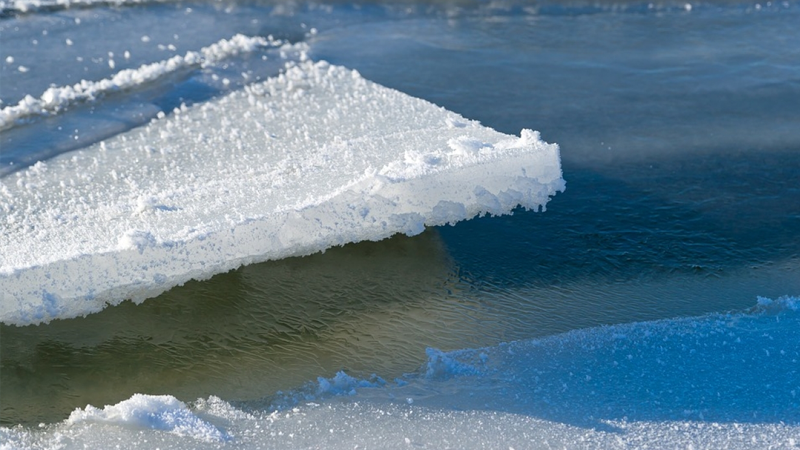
(156, 412)
(313, 158)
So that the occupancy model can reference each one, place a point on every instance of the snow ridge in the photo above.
(56, 99)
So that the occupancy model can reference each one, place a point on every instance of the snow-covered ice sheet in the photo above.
(313, 158)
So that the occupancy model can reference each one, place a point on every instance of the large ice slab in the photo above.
(313, 158)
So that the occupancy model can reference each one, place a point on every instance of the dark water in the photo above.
(681, 150)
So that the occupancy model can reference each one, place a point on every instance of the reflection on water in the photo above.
(241, 334)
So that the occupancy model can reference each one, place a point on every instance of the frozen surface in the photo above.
(57, 98)
(716, 381)
(314, 158)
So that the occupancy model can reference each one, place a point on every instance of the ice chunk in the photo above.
(157, 412)
(313, 158)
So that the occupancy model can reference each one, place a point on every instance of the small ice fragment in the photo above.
(69, 41)
(764, 301)
(9, 60)
(145, 38)
(22, 69)
(156, 412)
(127, 55)
(111, 63)
(687, 7)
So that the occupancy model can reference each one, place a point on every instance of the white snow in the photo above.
(156, 412)
(313, 158)
(57, 98)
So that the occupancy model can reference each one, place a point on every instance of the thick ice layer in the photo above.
(313, 158)
(57, 98)
(718, 381)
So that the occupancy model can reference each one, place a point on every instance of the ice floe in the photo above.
(313, 158)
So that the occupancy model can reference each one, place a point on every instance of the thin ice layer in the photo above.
(56, 98)
(313, 158)
(716, 381)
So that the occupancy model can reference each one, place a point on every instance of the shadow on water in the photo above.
(604, 253)
(706, 217)
(241, 334)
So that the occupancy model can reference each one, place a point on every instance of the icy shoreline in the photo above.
(579, 389)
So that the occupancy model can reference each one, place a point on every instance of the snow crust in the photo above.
(57, 98)
(313, 158)
(716, 381)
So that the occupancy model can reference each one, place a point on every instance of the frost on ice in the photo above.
(313, 158)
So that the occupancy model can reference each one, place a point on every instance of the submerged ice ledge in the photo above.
(313, 158)
(723, 380)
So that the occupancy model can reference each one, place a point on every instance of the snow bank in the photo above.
(313, 158)
(57, 98)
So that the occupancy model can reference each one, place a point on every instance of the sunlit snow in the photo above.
(313, 158)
